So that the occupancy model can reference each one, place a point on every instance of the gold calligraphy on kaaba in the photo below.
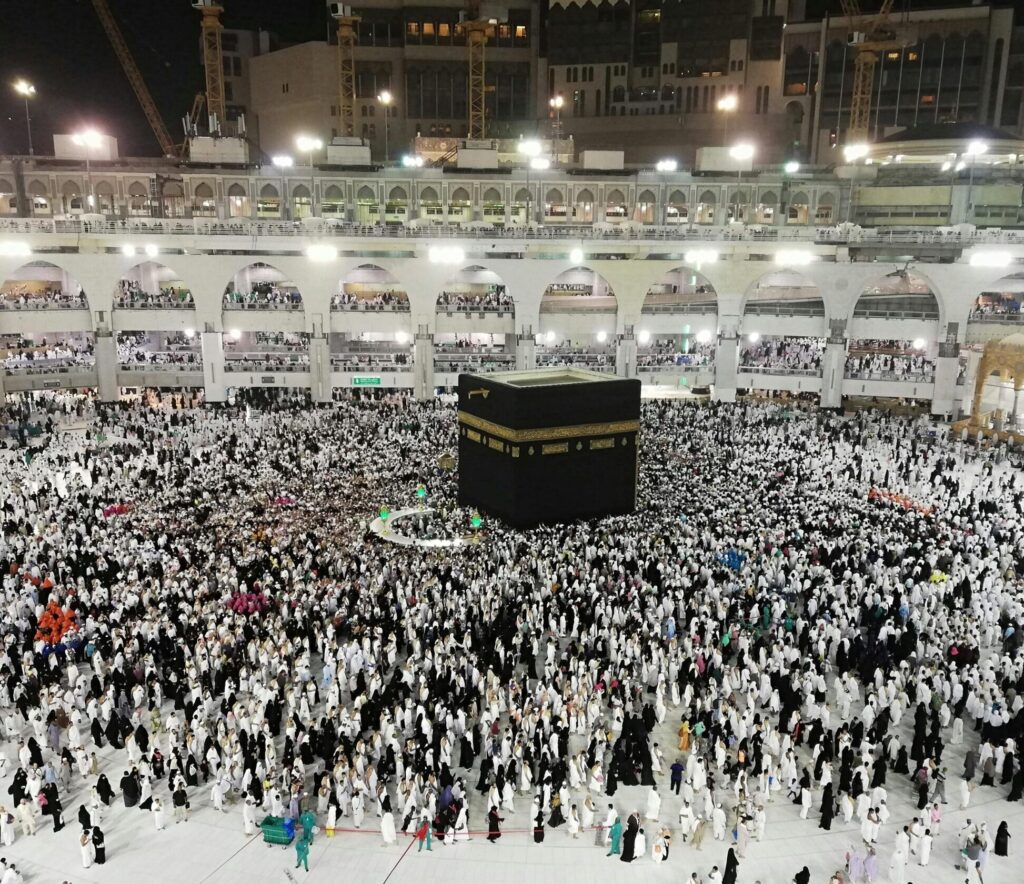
(541, 434)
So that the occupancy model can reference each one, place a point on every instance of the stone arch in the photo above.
(554, 197)
(459, 195)
(902, 294)
(578, 290)
(204, 191)
(429, 195)
(475, 287)
(681, 290)
(300, 192)
(1000, 301)
(493, 195)
(44, 285)
(366, 194)
(334, 194)
(259, 285)
(398, 194)
(584, 196)
(237, 190)
(523, 195)
(269, 192)
(783, 292)
(152, 284)
(370, 287)
(616, 197)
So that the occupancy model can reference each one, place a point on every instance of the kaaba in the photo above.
(551, 445)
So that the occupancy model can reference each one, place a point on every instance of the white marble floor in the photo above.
(211, 846)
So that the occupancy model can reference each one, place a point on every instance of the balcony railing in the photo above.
(673, 232)
(919, 377)
(780, 370)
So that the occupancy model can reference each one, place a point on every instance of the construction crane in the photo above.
(342, 14)
(869, 35)
(134, 76)
(213, 60)
(480, 21)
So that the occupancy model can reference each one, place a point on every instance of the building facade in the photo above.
(405, 277)
(661, 66)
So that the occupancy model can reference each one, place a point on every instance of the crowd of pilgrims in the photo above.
(782, 353)
(47, 353)
(236, 637)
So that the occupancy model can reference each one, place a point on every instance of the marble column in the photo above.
(215, 388)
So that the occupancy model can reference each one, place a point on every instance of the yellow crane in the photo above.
(869, 35)
(134, 76)
(342, 14)
(481, 19)
(213, 59)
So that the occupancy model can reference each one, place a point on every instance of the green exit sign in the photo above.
(365, 382)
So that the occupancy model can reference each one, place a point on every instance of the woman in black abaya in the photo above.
(629, 838)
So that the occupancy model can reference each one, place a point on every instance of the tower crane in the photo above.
(213, 61)
(342, 14)
(134, 76)
(480, 21)
(869, 35)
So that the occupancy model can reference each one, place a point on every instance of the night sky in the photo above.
(60, 47)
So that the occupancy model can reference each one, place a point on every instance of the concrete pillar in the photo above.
(625, 356)
(833, 367)
(320, 385)
(526, 353)
(1015, 415)
(106, 366)
(214, 382)
(423, 366)
(947, 367)
(3, 388)
(727, 356)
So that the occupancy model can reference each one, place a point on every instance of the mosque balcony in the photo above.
(695, 375)
(924, 377)
(153, 319)
(266, 362)
(274, 378)
(62, 377)
(897, 389)
(496, 321)
(167, 375)
(385, 377)
(781, 378)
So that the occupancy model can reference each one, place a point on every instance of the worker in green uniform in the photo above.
(302, 853)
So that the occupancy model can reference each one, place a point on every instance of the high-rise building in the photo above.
(662, 67)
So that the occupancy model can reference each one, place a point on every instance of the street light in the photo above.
(26, 90)
(854, 152)
(530, 148)
(556, 103)
(89, 139)
(974, 149)
(309, 145)
(741, 153)
(666, 166)
(727, 104)
(385, 98)
(792, 167)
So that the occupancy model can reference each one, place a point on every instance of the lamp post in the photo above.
(309, 146)
(740, 153)
(727, 104)
(89, 139)
(385, 98)
(556, 103)
(530, 149)
(26, 90)
(974, 149)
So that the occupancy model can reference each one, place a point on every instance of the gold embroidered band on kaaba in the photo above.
(543, 433)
